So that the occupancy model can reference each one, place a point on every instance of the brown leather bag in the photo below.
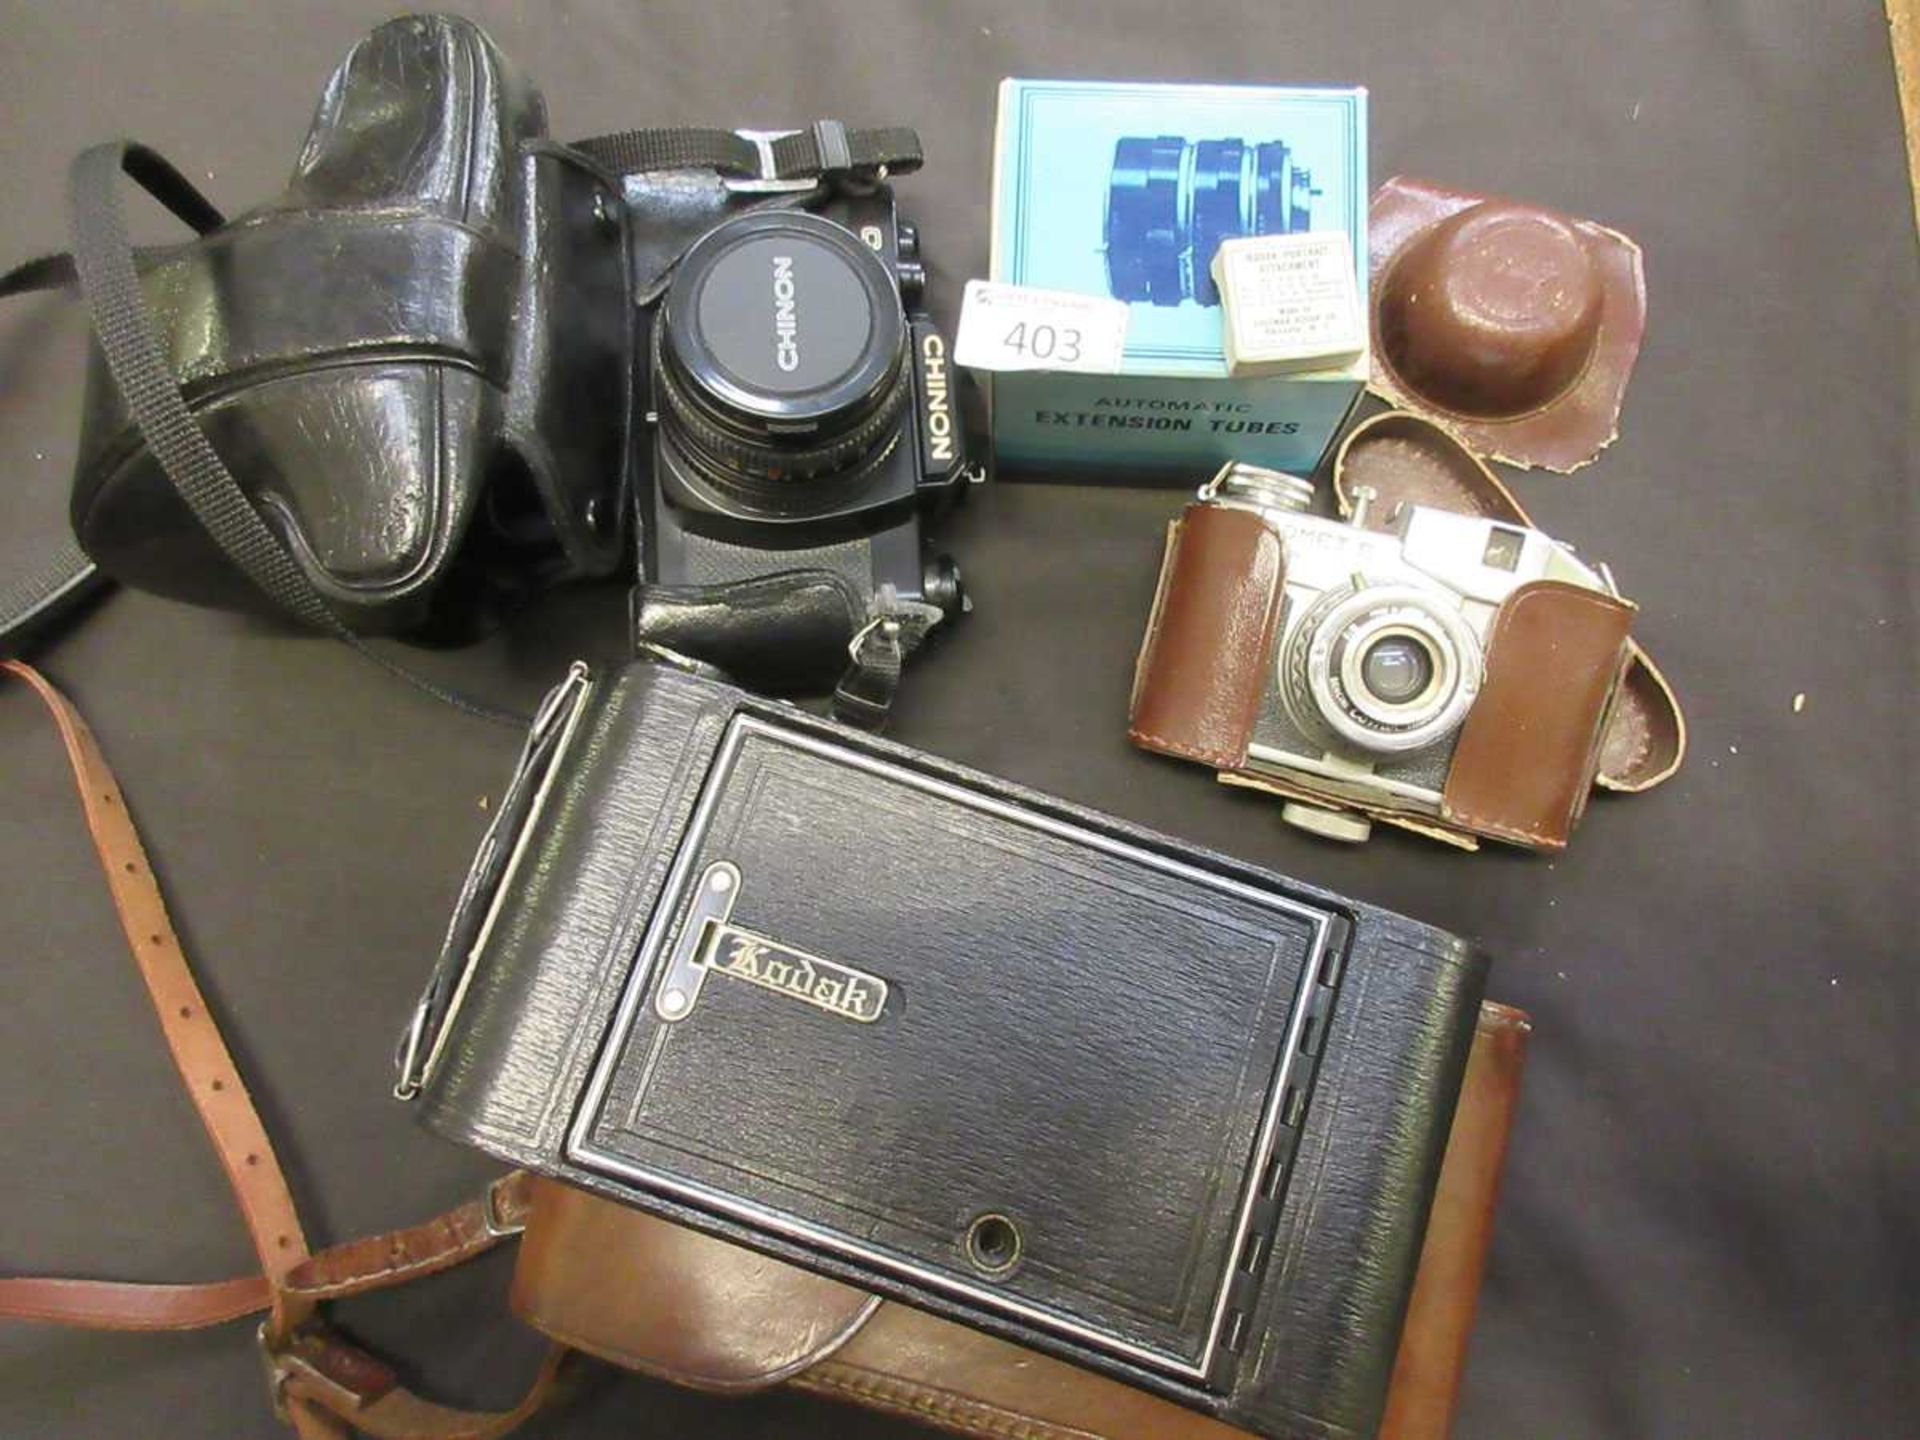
(652, 1296)
(655, 1297)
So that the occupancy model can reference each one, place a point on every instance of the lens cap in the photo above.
(781, 322)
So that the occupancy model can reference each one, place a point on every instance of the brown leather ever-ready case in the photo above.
(655, 1297)
(1569, 700)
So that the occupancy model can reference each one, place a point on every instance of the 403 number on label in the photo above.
(1018, 327)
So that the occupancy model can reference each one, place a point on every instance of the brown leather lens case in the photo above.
(655, 1297)
(1514, 324)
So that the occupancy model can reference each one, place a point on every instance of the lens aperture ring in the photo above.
(1321, 670)
(774, 457)
(795, 497)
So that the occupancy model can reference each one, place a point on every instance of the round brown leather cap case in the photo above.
(1513, 325)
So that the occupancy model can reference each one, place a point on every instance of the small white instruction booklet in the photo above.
(1289, 302)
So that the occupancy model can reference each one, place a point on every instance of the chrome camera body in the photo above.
(1380, 647)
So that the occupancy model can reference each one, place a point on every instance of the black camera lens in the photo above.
(1171, 201)
(1397, 669)
(781, 349)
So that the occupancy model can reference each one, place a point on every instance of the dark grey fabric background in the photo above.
(1710, 1222)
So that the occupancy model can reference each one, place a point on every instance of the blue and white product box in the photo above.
(1126, 190)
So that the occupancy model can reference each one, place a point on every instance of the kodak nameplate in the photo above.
(836, 989)
(708, 945)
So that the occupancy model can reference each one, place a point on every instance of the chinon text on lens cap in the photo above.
(785, 318)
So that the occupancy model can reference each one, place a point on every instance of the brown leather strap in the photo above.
(324, 1387)
(322, 1380)
(373, 1262)
(376, 1262)
(123, 1305)
(199, 1053)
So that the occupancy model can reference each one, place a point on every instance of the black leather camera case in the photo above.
(417, 361)
(1072, 1082)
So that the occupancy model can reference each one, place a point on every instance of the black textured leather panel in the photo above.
(788, 631)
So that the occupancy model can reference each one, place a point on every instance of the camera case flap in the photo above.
(1407, 459)
(1209, 647)
(1530, 749)
(416, 361)
(909, 1026)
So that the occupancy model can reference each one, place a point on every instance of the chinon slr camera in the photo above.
(802, 424)
(1448, 671)
(1171, 201)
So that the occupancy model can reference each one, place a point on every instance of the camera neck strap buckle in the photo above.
(767, 179)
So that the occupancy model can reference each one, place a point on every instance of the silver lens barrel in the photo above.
(1381, 669)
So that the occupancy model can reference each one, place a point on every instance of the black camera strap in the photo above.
(822, 150)
(34, 598)
(103, 259)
